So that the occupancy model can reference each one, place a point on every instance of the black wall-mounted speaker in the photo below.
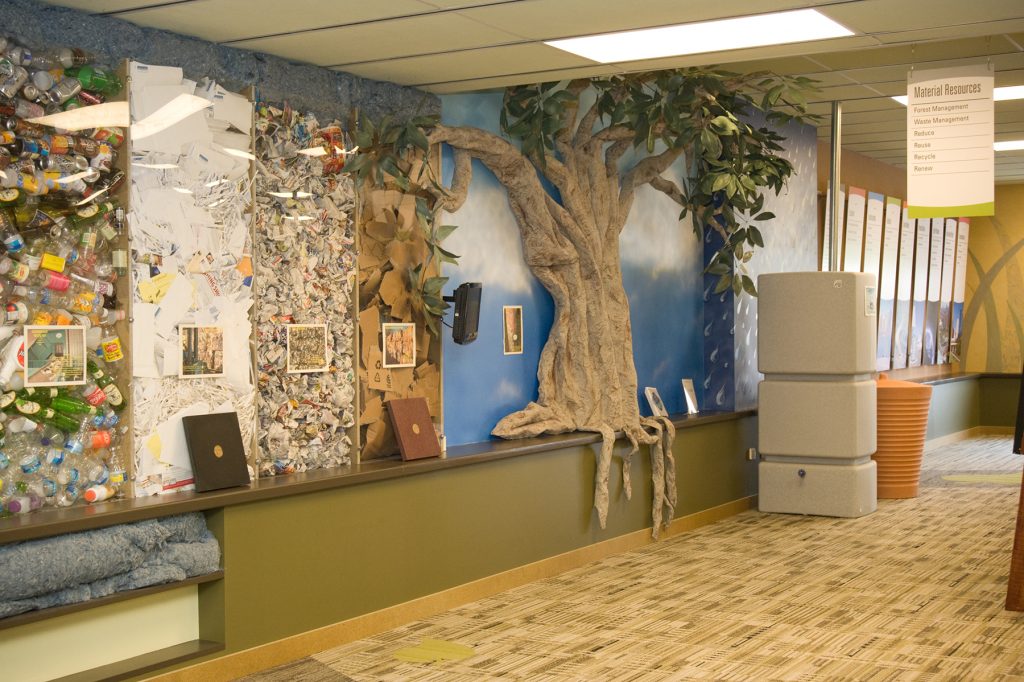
(467, 311)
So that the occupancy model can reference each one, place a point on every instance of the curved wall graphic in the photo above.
(993, 328)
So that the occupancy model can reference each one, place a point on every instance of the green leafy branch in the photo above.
(392, 155)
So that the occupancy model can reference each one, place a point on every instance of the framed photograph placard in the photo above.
(691, 397)
(202, 351)
(512, 322)
(399, 344)
(654, 400)
(54, 356)
(306, 348)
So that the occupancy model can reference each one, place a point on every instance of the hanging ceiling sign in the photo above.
(950, 160)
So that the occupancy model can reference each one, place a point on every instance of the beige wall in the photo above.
(860, 171)
(993, 332)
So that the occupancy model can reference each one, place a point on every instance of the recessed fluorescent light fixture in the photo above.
(214, 183)
(178, 109)
(998, 94)
(291, 195)
(182, 190)
(95, 116)
(300, 218)
(719, 35)
(1009, 146)
(155, 166)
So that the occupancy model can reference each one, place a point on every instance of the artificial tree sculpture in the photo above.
(575, 135)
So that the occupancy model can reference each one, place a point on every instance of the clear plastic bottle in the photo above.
(99, 493)
(13, 241)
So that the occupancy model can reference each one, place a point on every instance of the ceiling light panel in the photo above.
(708, 36)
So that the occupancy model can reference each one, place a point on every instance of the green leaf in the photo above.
(724, 282)
(767, 215)
(748, 286)
(737, 285)
(718, 269)
(442, 232)
(754, 235)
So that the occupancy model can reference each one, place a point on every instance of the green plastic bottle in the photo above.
(70, 405)
(95, 79)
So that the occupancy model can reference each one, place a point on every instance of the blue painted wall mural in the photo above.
(662, 263)
(790, 245)
(661, 274)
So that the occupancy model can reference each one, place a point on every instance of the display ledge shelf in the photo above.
(943, 374)
(56, 611)
(51, 522)
(154, 660)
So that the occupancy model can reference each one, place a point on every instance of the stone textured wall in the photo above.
(328, 94)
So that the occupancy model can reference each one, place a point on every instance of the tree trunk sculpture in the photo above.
(586, 374)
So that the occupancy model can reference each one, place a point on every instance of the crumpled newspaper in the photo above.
(305, 271)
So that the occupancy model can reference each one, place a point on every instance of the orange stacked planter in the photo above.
(902, 424)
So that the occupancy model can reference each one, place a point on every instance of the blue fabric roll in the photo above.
(69, 569)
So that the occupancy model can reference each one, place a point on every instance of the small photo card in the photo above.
(399, 344)
(54, 356)
(202, 351)
(691, 396)
(654, 400)
(307, 348)
(512, 317)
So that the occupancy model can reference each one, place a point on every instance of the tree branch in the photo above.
(668, 188)
(613, 154)
(456, 195)
(585, 130)
(642, 173)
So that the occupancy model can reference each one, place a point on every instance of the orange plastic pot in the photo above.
(902, 425)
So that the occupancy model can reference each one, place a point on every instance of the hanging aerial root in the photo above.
(604, 462)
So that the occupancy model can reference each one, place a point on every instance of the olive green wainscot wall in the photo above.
(298, 563)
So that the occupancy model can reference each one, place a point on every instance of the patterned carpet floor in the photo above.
(914, 591)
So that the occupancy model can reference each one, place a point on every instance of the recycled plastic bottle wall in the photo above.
(65, 362)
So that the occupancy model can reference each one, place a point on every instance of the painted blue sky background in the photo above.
(661, 273)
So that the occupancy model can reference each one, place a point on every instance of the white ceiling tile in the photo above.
(227, 20)
(407, 36)
(465, 65)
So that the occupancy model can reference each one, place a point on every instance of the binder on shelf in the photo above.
(215, 448)
(414, 431)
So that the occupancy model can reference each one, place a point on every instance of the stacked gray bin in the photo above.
(816, 405)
